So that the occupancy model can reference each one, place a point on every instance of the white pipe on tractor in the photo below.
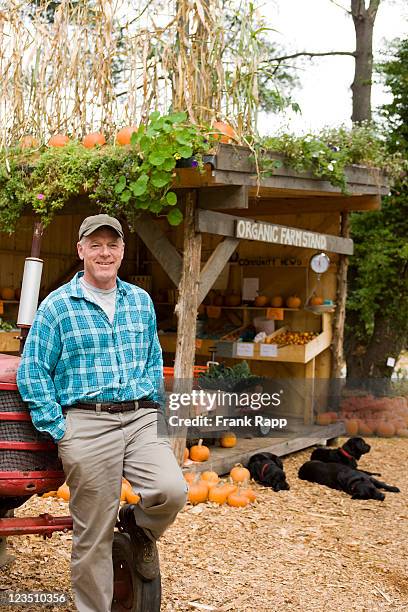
(30, 291)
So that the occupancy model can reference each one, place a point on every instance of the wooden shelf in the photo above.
(8, 343)
(9, 301)
(235, 307)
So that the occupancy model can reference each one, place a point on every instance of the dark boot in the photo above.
(144, 549)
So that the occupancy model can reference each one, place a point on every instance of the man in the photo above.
(91, 373)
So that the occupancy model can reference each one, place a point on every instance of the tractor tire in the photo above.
(131, 592)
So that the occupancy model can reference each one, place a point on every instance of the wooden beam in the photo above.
(341, 297)
(186, 311)
(215, 264)
(223, 197)
(310, 204)
(225, 225)
(160, 247)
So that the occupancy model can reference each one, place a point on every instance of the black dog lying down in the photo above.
(356, 483)
(348, 454)
(267, 469)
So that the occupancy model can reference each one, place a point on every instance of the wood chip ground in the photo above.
(306, 549)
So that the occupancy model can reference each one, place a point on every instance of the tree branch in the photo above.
(340, 6)
(285, 57)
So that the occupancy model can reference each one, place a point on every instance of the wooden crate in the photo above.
(8, 343)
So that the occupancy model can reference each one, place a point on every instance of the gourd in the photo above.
(228, 440)
(58, 140)
(239, 473)
(199, 452)
(91, 140)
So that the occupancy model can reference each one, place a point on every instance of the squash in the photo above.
(63, 492)
(91, 140)
(58, 140)
(316, 300)
(29, 142)
(324, 418)
(261, 300)
(210, 477)
(293, 301)
(237, 499)
(352, 427)
(239, 473)
(233, 299)
(250, 494)
(197, 492)
(277, 301)
(199, 452)
(124, 135)
(227, 132)
(189, 477)
(228, 440)
(364, 428)
(385, 429)
(7, 293)
(218, 494)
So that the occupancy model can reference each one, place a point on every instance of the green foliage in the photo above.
(378, 275)
(328, 153)
(220, 376)
(121, 180)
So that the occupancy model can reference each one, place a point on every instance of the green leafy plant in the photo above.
(237, 378)
(328, 153)
(123, 180)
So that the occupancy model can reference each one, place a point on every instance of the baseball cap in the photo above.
(90, 224)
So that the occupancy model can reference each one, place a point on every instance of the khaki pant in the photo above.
(96, 450)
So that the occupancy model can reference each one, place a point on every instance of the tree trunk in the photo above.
(341, 297)
(186, 311)
(364, 19)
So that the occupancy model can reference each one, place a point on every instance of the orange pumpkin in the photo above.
(237, 499)
(228, 440)
(218, 494)
(210, 477)
(324, 418)
(29, 142)
(199, 452)
(239, 473)
(364, 429)
(197, 492)
(277, 301)
(233, 299)
(250, 494)
(127, 493)
(124, 135)
(230, 488)
(63, 492)
(58, 140)
(49, 494)
(189, 477)
(227, 132)
(91, 140)
(352, 427)
(261, 300)
(316, 300)
(7, 293)
(293, 301)
(385, 429)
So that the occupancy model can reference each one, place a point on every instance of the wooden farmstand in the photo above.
(239, 233)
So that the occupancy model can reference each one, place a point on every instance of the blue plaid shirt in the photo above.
(73, 353)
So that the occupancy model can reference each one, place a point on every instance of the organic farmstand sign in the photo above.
(291, 236)
(249, 229)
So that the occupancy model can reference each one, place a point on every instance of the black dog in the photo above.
(267, 469)
(348, 454)
(343, 478)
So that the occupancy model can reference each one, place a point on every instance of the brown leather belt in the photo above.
(114, 407)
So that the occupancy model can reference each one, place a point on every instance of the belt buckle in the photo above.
(112, 409)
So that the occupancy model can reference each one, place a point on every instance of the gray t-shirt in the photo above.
(105, 298)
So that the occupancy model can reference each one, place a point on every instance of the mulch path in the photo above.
(307, 549)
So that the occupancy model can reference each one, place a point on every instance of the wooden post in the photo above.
(186, 311)
(341, 297)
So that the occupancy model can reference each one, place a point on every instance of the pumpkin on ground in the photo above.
(324, 418)
(352, 427)
(210, 477)
(237, 499)
(197, 492)
(228, 440)
(385, 429)
(29, 142)
(218, 494)
(239, 473)
(189, 477)
(250, 494)
(63, 492)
